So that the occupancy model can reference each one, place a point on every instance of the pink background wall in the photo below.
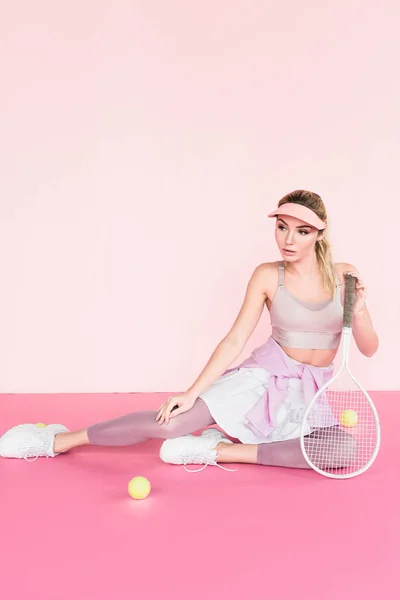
(142, 143)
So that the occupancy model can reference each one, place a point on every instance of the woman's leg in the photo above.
(237, 453)
(288, 453)
(135, 428)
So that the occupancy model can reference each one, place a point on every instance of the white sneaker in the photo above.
(194, 450)
(216, 434)
(29, 441)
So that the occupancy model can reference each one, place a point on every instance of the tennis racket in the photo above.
(340, 431)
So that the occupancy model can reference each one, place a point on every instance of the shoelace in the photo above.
(34, 453)
(29, 455)
(208, 462)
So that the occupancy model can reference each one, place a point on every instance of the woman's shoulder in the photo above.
(268, 269)
(269, 266)
(266, 276)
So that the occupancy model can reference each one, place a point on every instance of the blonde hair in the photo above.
(323, 248)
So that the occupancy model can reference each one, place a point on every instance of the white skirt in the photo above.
(232, 396)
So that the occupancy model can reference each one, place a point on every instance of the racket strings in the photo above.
(343, 429)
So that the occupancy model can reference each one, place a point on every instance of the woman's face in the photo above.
(295, 238)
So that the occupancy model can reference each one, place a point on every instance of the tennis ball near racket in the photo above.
(40, 425)
(139, 488)
(349, 418)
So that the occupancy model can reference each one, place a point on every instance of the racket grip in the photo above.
(349, 299)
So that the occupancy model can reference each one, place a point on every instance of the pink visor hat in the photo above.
(299, 212)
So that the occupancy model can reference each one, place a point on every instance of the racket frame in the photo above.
(305, 428)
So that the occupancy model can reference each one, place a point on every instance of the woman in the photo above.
(261, 402)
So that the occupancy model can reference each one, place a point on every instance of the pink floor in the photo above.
(70, 531)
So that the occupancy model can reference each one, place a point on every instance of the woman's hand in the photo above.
(361, 293)
(184, 402)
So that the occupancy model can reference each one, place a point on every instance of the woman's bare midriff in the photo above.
(316, 358)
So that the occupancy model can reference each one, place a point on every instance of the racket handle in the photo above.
(349, 299)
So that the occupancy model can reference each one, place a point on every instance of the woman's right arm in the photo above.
(231, 346)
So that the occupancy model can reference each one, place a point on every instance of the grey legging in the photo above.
(141, 426)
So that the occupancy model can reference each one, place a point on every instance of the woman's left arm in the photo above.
(363, 330)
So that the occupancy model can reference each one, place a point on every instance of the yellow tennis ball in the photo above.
(349, 418)
(139, 488)
(40, 425)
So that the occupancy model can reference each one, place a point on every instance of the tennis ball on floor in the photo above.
(40, 425)
(349, 418)
(139, 488)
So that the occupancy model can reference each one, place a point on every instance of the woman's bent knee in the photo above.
(173, 429)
